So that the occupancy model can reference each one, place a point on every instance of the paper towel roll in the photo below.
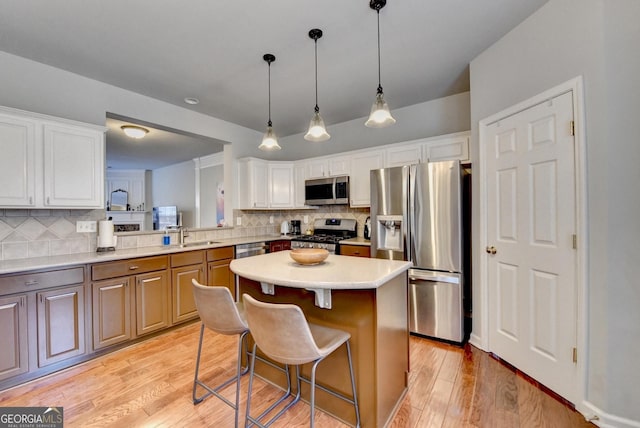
(105, 234)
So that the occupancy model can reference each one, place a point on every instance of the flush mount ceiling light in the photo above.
(317, 131)
(134, 131)
(192, 101)
(269, 140)
(380, 116)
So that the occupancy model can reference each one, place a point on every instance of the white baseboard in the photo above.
(603, 419)
(476, 341)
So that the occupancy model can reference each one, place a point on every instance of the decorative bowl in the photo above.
(309, 256)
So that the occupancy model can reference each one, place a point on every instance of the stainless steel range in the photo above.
(327, 234)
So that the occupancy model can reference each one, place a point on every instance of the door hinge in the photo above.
(572, 127)
(575, 355)
(575, 241)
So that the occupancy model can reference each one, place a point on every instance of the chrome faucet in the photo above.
(184, 232)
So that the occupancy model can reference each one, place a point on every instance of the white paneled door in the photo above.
(531, 225)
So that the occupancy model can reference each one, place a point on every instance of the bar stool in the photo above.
(283, 334)
(221, 314)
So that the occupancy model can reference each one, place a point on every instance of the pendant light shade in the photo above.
(380, 116)
(269, 140)
(317, 131)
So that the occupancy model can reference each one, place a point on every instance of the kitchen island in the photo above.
(365, 297)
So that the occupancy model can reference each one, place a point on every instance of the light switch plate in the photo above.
(306, 219)
(86, 226)
(238, 221)
(271, 219)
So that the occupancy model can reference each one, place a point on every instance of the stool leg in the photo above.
(353, 386)
(239, 372)
(197, 400)
(312, 397)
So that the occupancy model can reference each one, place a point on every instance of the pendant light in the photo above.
(269, 140)
(380, 116)
(317, 131)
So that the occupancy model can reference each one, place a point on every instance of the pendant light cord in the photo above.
(316, 109)
(379, 73)
(269, 122)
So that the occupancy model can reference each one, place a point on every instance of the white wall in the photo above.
(437, 117)
(36, 87)
(176, 185)
(599, 40)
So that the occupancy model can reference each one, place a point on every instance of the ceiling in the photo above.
(212, 50)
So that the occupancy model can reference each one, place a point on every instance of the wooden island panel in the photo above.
(377, 320)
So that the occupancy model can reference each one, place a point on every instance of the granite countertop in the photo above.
(336, 272)
(49, 262)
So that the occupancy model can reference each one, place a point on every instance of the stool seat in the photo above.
(283, 334)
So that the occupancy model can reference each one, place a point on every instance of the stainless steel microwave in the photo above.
(327, 191)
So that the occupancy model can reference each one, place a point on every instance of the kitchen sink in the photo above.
(198, 244)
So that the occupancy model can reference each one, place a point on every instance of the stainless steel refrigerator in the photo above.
(417, 215)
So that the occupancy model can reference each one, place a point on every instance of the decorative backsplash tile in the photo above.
(41, 233)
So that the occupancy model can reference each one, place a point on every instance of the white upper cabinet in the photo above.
(445, 147)
(450, 147)
(49, 162)
(359, 179)
(328, 167)
(265, 185)
(299, 171)
(18, 162)
(252, 183)
(281, 186)
(403, 154)
(73, 167)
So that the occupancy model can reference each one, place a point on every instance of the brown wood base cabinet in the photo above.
(14, 352)
(218, 272)
(126, 295)
(185, 267)
(42, 322)
(355, 250)
(61, 330)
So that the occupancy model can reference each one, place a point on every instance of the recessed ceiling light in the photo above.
(134, 131)
(191, 100)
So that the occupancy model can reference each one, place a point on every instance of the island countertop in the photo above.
(336, 272)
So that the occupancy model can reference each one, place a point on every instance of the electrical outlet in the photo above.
(86, 226)
(271, 219)
(238, 221)
(306, 219)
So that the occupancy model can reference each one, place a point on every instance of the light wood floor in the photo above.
(149, 384)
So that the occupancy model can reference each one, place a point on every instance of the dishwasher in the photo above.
(251, 249)
(248, 250)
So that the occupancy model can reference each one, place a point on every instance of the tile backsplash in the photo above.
(39, 233)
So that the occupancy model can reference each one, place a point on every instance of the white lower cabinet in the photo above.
(49, 162)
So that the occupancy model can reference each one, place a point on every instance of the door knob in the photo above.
(491, 250)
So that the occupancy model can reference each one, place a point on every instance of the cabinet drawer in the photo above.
(36, 281)
(187, 258)
(355, 250)
(128, 267)
(219, 254)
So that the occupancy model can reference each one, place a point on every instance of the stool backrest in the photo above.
(280, 331)
(217, 309)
